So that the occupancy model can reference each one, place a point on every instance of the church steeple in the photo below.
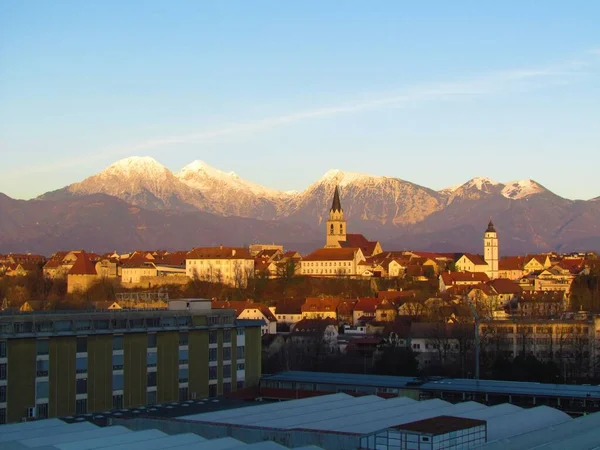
(490, 250)
(336, 205)
(336, 225)
(490, 228)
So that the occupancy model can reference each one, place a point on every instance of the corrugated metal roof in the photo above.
(170, 441)
(525, 421)
(47, 431)
(565, 432)
(75, 436)
(106, 441)
(23, 427)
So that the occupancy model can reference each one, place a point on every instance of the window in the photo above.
(331, 229)
(81, 406)
(117, 401)
(227, 371)
(2, 371)
(2, 416)
(241, 366)
(81, 386)
(151, 398)
(183, 338)
(212, 337)
(183, 394)
(42, 368)
(226, 388)
(151, 379)
(117, 342)
(3, 349)
(42, 411)
(240, 352)
(240, 384)
(212, 354)
(226, 335)
(183, 375)
(41, 389)
(42, 347)
(241, 331)
(151, 359)
(117, 362)
(226, 353)
(81, 365)
(212, 373)
(152, 340)
(2, 394)
(81, 345)
(183, 357)
(212, 390)
(117, 382)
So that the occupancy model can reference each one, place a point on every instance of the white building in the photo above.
(229, 265)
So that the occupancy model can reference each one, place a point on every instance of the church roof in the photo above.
(490, 228)
(336, 205)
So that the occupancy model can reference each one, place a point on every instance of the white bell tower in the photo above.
(490, 250)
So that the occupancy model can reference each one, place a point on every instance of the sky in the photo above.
(432, 92)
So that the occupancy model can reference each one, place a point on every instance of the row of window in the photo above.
(328, 264)
(327, 271)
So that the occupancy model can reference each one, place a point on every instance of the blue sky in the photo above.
(431, 92)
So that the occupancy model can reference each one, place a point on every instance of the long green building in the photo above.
(63, 363)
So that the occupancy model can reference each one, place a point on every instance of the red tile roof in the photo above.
(312, 325)
(83, 265)
(451, 278)
(332, 254)
(317, 304)
(505, 286)
(219, 253)
(367, 304)
(511, 263)
(359, 241)
(475, 259)
(290, 306)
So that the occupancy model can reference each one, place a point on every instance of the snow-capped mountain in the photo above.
(397, 212)
(368, 200)
(140, 181)
(522, 189)
(229, 194)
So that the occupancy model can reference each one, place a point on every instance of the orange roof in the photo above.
(289, 306)
(511, 263)
(359, 241)
(317, 304)
(219, 253)
(505, 286)
(451, 278)
(83, 265)
(367, 304)
(332, 254)
(475, 259)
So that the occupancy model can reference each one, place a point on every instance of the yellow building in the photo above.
(71, 362)
(228, 265)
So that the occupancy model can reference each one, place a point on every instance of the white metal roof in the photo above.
(391, 408)
(169, 441)
(524, 421)
(563, 432)
(276, 419)
(213, 444)
(354, 412)
(106, 441)
(46, 431)
(221, 416)
(26, 426)
(491, 411)
(75, 436)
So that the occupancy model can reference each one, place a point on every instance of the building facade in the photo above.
(66, 363)
(228, 265)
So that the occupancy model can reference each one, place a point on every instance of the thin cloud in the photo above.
(488, 84)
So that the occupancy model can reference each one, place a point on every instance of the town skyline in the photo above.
(479, 92)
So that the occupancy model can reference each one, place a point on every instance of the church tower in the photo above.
(336, 225)
(490, 250)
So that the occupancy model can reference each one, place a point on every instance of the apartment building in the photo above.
(62, 363)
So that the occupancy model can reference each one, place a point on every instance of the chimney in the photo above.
(233, 252)
(221, 246)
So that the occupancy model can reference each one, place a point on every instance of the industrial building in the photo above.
(573, 399)
(63, 363)
(332, 422)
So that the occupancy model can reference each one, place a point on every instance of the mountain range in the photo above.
(139, 203)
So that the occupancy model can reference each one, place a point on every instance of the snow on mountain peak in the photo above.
(136, 165)
(200, 175)
(342, 178)
(521, 189)
(481, 182)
